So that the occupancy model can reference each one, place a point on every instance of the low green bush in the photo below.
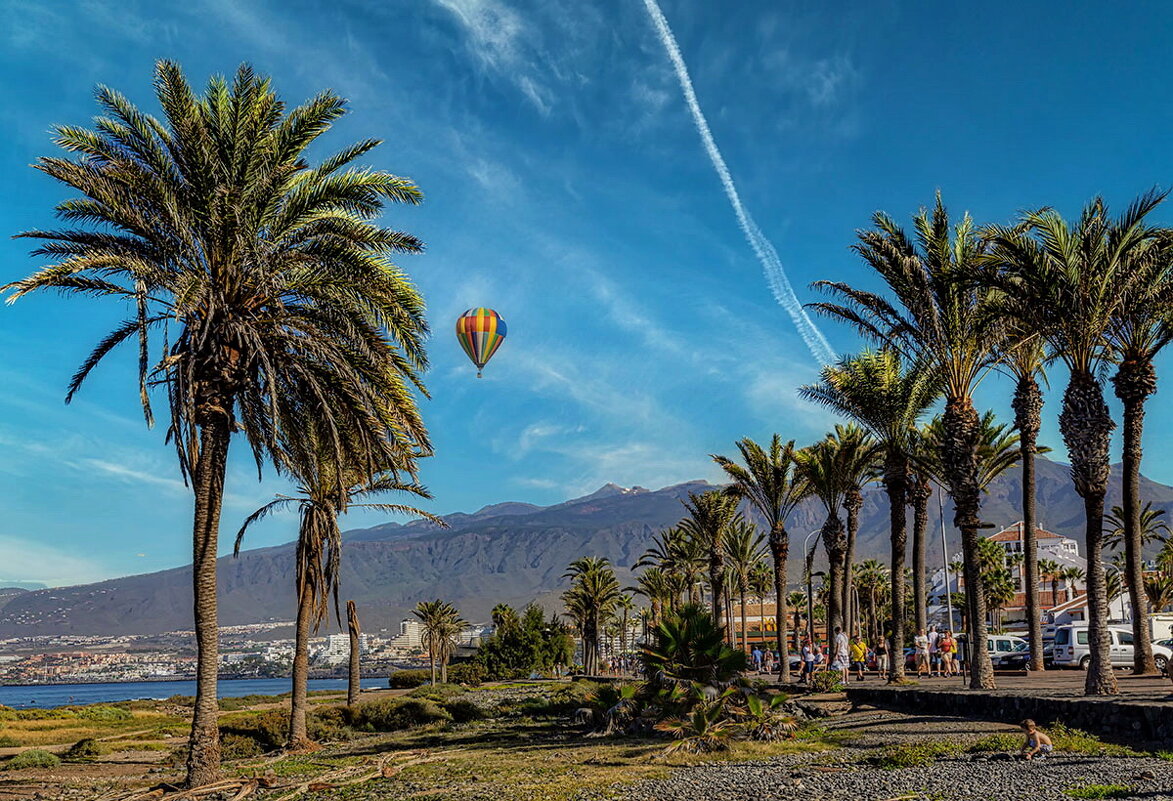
(463, 710)
(394, 714)
(471, 674)
(85, 748)
(7, 741)
(268, 729)
(911, 755)
(33, 758)
(438, 693)
(407, 679)
(239, 746)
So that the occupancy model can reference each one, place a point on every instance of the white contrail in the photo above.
(762, 248)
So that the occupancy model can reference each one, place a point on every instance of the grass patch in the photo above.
(1101, 791)
(911, 755)
(1074, 741)
(1165, 755)
(997, 742)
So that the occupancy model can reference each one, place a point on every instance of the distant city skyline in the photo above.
(566, 187)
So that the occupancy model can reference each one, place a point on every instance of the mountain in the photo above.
(506, 552)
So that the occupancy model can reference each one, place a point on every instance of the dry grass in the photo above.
(66, 731)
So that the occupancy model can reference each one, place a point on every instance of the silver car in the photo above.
(1072, 648)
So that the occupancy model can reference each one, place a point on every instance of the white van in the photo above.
(1072, 649)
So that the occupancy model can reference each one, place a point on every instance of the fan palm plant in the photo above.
(766, 480)
(1024, 358)
(1070, 283)
(440, 625)
(940, 320)
(878, 392)
(591, 598)
(743, 551)
(264, 279)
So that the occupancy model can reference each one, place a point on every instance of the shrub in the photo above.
(101, 713)
(394, 714)
(439, 693)
(239, 746)
(7, 713)
(407, 679)
(826, 681)
(471, 674)
(85, 748)
(33, 758)
(574, 696)
(911, 755)
(463, 710)
(7, 741)
(268, 729)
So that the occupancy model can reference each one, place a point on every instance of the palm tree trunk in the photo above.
(444, 669)
(203, 761)
(432, 657)
(1028, 405)
(779, 551)
(717, 584)
(895, 484)
(744, 631)
(959, 458)
(921, 492)
(298, 738)
(355, 673)
(852, 503)
(1086, 425)
(1134, 382)
(835, 541)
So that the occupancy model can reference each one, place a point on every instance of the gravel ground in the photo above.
(839, 774)
(948, 780)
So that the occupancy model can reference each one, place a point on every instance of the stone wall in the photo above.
(1126, 722)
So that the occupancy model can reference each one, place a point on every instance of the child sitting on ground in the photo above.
(1038, 745)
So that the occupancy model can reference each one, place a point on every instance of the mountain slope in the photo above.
(510, 552)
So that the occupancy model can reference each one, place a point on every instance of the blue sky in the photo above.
(567, 188)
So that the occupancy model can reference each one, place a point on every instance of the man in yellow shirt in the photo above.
(859, 656)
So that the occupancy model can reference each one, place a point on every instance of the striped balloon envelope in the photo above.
(481, 332)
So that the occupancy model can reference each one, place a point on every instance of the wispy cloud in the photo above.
(28, 559)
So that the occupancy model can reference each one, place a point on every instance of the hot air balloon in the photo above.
(480, 331)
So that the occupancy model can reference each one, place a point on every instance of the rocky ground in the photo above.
(845, 774)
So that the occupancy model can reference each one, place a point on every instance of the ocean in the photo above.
(29, 696)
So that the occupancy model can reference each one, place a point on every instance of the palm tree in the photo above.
(1050, 568)
(267, 278)
(1000, 589)
(1159, 589)
(625, 605)
(440, 625)
(1074, 574)
(871, 578)
(354, 673)
(860, 466)
(591, 598)
(925, 453)
(876, 390)
(761, 581)
(1140, 330)
(325, 493)
(767, 481)
(660, 588)
(743, 550)
(821, 467)
(1114, 581)
(1024, 358)
(675, 552)
(940, 320)
(1070, 283)
(1153, 528)
(796, 600)
(709, 517)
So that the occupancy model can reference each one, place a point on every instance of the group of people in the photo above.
(935, 653)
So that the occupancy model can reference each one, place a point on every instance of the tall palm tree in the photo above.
(440, 625)
(821, 467)
(1153, 527)
(354, 671)
(1140, 331)
(743, 551)
(675, 552)
(939, 319)
(591, 598)
(767, 481)
(1159, 589)
(709, 517)
(1025, 357)
(1073, 575)
(624, 606)
(878, 392)
(761, 582)
(871, 577)
(926, 460)
(660, 588)
(796, 600)
(1070, 283)
(860, 466)
(259, 289)
(324, 493)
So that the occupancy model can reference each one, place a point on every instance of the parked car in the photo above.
(1072, 648)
